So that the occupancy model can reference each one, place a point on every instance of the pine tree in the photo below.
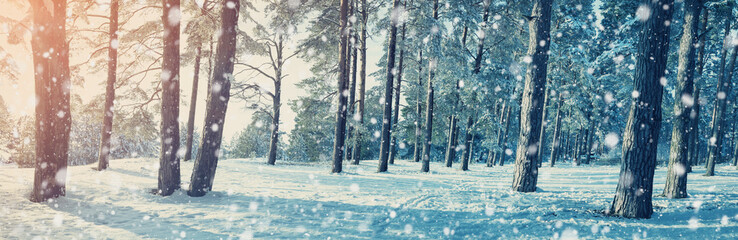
(169, 175)
(53, 83)
(676, 178)
(531, 109)
(432, 63)
(343, 79)
(723, 91)
(107, 127)
(640, 139)
(203, 172)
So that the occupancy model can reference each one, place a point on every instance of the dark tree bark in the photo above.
(467, 144)
(574, 152)
(531, 110)
(193, 105)
(396, 109)
(556, 144)
(588, 140)
(493, 155)
(451, 146)
(193, 96)
(505, 135)
(276, 101)
(343, 78)
(103, 159)
(53, 83)
(418, 110)
(384, 148)
(429, 101)
(428, 125)
(453, 130)
(641, 135)
(480, 46)
(715, 143)
(169, 175)
(676, 177)
(206, 162)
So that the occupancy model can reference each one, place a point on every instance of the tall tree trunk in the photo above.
(493, 155)
(206, 162)
(352, 88)
(339, 142)
(384, 148)
(52, 86)
(396, 109)
(451, 142)
(693, 146)
(103, 159)
(429, 101)
(542, 133)
(349, 102)
(276, 104)
(453, 130)
(723, 89)
(556, 144)
(641, 135)
(362, 86)
(467, 144)
(418, 110)
(676, 176)
(193, 104)
(428, 126)
(169, 175)
(531, 109)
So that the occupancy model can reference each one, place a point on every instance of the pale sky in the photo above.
(20, 96)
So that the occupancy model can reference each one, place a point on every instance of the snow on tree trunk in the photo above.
(343, 78)
(641, 134)
(203, 172)
(362, 86)
(169, 175)
(103, 159)
(384, 148)
(53, 84)
(676, 177)
(531, 109)
(715, 143)
(193, 104)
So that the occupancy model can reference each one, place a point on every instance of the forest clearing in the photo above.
(304, 201)
(368, 119)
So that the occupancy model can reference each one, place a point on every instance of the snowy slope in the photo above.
(302, 201)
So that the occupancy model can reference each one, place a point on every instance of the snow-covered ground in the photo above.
(303, 201)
